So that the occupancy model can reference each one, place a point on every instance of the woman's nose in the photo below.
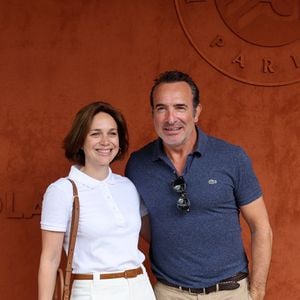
(104, 139)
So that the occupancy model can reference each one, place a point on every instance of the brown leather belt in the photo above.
(227, 284)
(126, 274)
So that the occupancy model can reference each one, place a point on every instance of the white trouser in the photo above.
(137, 288)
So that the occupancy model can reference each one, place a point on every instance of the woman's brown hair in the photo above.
(74, 140)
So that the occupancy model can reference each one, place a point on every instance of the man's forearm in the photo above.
(261, 241)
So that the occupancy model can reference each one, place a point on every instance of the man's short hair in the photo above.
(176, 76)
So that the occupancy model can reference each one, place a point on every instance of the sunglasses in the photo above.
(179, 187)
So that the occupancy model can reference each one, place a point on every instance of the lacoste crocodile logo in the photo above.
(212, 181)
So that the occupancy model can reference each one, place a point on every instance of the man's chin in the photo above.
(172, 142)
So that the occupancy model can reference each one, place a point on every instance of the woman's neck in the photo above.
(99, 173)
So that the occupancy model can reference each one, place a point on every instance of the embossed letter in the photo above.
(217, 41)
(296, 62)
(240, 59)
(36, 210)
(267, 66)
(10, 207)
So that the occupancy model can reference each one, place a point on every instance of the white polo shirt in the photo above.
(109, 222)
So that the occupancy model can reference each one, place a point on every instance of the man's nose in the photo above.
(170, 117)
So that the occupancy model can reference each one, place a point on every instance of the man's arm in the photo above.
(257, 219)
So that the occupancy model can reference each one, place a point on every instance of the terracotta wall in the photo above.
(59, 55)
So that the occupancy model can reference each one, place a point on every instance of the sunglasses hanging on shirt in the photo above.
(179, 186)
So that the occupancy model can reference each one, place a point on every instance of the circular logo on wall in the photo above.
(252, 41)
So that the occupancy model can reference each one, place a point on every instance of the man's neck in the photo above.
(178, 154)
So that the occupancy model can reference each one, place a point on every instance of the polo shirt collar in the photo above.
(89, 181)
(159, 153)
(201, 143)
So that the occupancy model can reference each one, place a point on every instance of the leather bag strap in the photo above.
(72, 241)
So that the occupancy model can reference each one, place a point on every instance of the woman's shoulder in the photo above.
(61, 186)
(120, 179)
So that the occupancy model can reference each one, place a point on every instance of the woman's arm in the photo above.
(50, 258)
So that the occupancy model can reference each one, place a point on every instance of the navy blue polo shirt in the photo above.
(201, 247)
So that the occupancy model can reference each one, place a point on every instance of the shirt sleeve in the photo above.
(56, 209)
(247, 187)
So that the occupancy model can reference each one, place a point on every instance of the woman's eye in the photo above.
(95, 134)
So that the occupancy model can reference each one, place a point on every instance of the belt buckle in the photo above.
(126, 274)
(191, 292)
(201, 291)
(129, 274)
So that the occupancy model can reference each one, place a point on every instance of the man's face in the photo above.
(174, 116)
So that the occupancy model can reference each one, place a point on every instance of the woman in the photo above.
(109, 221)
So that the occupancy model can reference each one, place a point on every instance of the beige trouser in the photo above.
(164, 292)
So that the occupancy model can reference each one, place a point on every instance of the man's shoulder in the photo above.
(145, 151)
(220, 150)
(219, 144)
(140, 160)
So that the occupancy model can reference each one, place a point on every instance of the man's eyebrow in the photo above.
(180, 104)
(159, 104)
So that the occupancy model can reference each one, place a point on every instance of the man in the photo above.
(194, 187)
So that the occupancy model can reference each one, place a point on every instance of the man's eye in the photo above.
(181, 108)
(160, 108)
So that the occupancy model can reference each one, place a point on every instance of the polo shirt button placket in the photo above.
(115, 209)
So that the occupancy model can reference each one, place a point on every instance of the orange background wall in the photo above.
(56, 56)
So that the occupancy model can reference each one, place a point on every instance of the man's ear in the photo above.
(198, 110)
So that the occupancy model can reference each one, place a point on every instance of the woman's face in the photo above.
(101, 144)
